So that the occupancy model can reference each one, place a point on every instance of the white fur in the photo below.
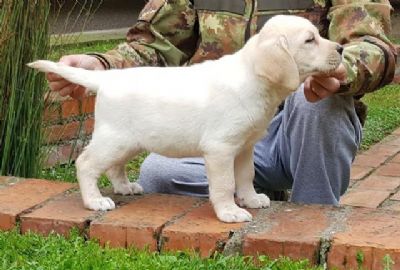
(217, 109)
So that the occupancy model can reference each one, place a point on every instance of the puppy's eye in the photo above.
(310, 40)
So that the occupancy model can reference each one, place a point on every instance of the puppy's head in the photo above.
(288, 49)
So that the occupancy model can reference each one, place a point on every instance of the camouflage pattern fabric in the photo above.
(183, 32)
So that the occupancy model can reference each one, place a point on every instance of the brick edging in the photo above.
(323, 234)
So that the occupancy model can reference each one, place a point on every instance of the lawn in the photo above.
(32, 251)
(98, 46)
(383, 114)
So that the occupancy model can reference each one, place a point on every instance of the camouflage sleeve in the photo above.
(369, 57)
(163, 36)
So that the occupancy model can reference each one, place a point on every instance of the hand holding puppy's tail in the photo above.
(83, 77)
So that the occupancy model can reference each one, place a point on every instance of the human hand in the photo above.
(318, 87)
(64, 87)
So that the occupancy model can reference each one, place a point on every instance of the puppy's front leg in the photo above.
(244, 175)
(220, 172)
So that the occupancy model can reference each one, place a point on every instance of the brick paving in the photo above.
(367, 221)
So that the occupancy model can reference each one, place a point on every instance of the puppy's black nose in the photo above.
(339, 49)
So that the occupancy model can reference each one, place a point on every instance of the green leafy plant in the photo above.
(387, 262)
(360, 259)
(23, 38)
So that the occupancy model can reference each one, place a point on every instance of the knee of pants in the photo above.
(155, 176)
(330, 107)
(332, 115)
(173, 175)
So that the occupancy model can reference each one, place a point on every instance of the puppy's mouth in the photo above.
(332, 64)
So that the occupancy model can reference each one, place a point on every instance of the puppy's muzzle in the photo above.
(339, 49)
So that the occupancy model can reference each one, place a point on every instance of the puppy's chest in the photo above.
(259, 115)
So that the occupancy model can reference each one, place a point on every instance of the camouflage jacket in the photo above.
(182, 32)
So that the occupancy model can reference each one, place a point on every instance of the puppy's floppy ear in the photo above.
(276, 64)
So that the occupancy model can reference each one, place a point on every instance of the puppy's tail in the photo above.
(80, 76)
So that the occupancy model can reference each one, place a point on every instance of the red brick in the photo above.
(378, 182)
(51, 112)
(395, 206)
(343, 256)
(372, 232)
(62, 132)
(69, 108)
(353, 182)
(396, 159)
(396, 79)
(364, 198)
(89, 125)
(392, 140)
(379, 255)
(389, 169)
(382, 150)
(4, 180)
(9, 180)
(61, 154)
(365, 160)
(24, 195)
(88, 104)
(396, 196)
(139, 223)
(293, 231)
(359, 172)
(59, 215)
(199, 230)
(72, 107)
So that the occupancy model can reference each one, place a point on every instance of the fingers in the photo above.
(317, 88)
(64, 87)
(326, 86)
(78, 92)
(57, 85)
(310, 95)
(71, 60)
(73, 90)
(53, 77)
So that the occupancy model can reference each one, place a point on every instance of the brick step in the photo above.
(334, 235)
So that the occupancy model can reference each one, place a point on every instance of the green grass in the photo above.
(383, 114)
(97, 46)
(32, 251)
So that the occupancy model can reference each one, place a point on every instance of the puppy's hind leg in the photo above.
(120, 181)
(244, 175)
(221, 178)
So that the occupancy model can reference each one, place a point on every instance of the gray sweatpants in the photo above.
(309, 149)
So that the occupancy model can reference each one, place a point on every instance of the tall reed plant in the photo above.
(23, 38)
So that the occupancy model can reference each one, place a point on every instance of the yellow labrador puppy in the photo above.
(217, 109)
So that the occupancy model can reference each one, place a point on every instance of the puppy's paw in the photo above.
(100, 204)
(255, 201)
(128, 189)
(136, 188)
(233, 214)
